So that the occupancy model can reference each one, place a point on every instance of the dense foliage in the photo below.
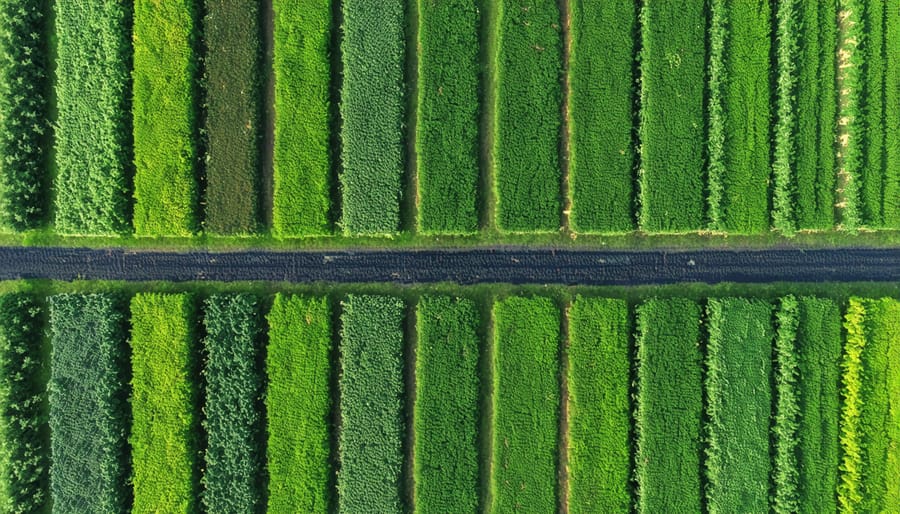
(24, 453)
(24, 120)
(529, 96)
(787, 410)
(525, 399)
(599, 406)
(371, 391)
(93, 55)
(88, 404)
(784, 138)
(850, 487)
(891, 208)
(874, 170)
(852, 122)
(164, 442)
(739, 405)
(372, 99)
(601, 109)
(232, 478)
(233, 36)
(447, 124)
(165, 154)
(669, 406)
(302, 154)
(446, 409)
(298, 404)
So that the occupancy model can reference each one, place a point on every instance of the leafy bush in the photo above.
(599, 406)
(850, 489)
(165, 154)
(787, 19)
(669, 406)
(233, 34)
(892, 118)
(739, 370)
(371, 384)
(88, 404)
(786, 470)
(23, 112)
(872, 173)
(233, 473)
(673, 59)
(602, 97)
(526, 400)
(298, 404)
(446, 410)
(92, 126)
(447, 126)
(302, 66)
(164, 443)
(529, 96)
(24, 459)
(372, 115)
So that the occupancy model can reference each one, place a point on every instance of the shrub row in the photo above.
(673, 61)
(92, 126)
(784, 134)
(233, 35)
(599, 406)
(852, 127)
(525, 399)
(302, 154)
(601, 110)
(529, 72)
(669, 406)
(371, 389)
(786, 466)
(298, 404)
(873, 171)
(372, 100)
(164, 443)
(447, 126)
(165, 153)
(88, 404)
(24, 122)
(850, 489)
(446, 408)
(232, 478)
(892, 117)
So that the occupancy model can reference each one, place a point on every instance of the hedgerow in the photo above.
(852, 117)
(738, 372)
(298, 404)
(163, 439)
(529, 96)
(371, 388)
(872, 97)
(92, 125)
(786, 466)
(372, 100)
(599, 406)
(302, 66)
(165, 68)
(24, 119)
(525, 400)
(784, 161)
(233, 63)
(717, 75)
(446, 410)
(88, 404)
(24, 455)
(232, 478)
(892, 118)
(447, 125)
(602, 156)
(851, 488)
(669, 406)
(673, 60)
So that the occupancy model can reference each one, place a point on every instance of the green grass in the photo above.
(525, 404)
(738, 374)
(599, 380)
(372, 99)
(446, 410)
(233, 36)
(302, 67)
(92, 123)
(447, 116)
(601, 110)
(529, 69)
(165, 146)
(669, 406)
(164, 441)
(371, 389)
(672, 119)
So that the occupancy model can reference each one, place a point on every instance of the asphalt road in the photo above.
(511, 265)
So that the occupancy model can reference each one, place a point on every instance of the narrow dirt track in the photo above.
(510, 265)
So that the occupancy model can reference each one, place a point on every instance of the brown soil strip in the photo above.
(410, 203)
(565, 128)
(844, 53)
(563, 471)
(267, 158)
(409, 383)
(489, 41)
(486, 406)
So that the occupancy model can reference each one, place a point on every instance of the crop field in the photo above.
(446, 398)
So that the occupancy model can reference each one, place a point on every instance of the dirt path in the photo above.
(565, 127)
(846, 48)
(563, 471)
(410, 204)
(488, 47)
(267, 159)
